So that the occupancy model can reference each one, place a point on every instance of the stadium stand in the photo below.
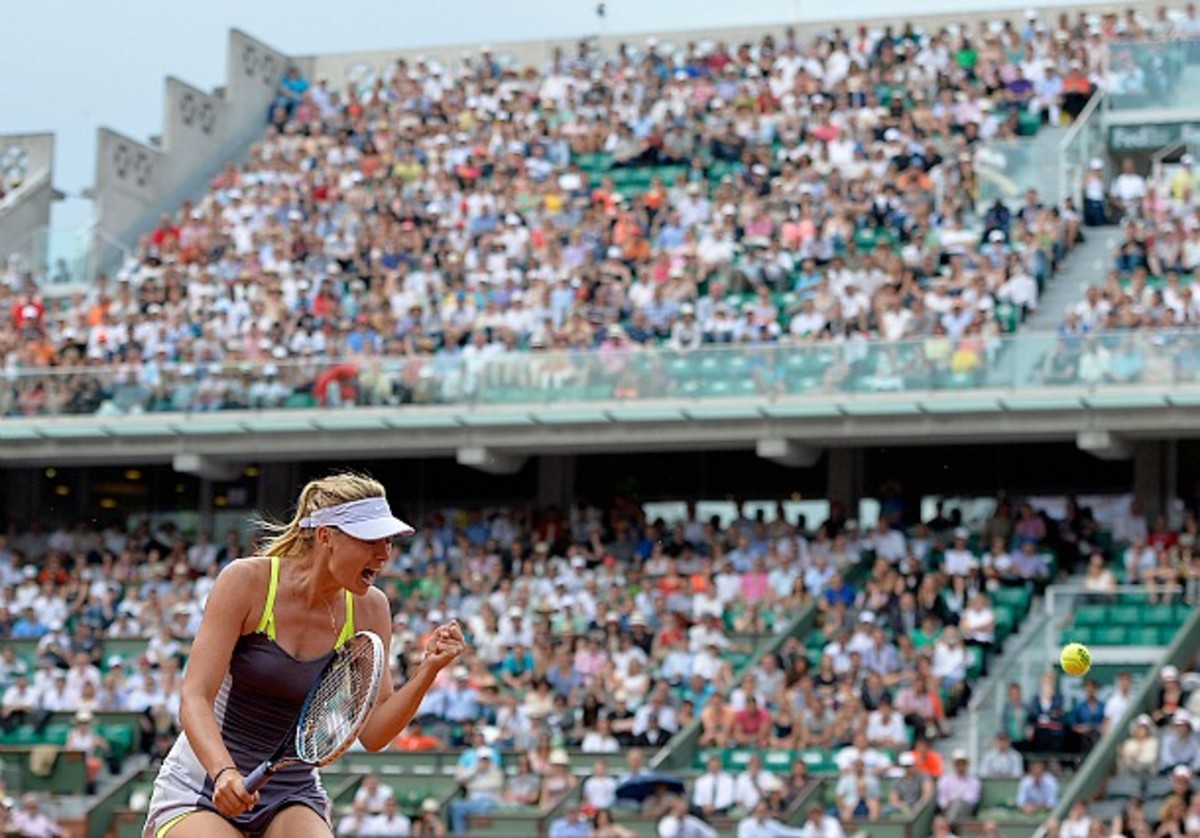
(757, 195)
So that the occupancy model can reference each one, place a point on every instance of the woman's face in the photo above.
(353, 563)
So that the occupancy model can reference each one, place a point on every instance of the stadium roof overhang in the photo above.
(791, 431)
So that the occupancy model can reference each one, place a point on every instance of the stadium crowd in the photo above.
(381, 245)
(1152, 791)
(603, 633)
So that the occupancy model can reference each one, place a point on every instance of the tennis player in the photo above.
(270, 626)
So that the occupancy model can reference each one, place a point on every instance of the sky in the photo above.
(80, 65)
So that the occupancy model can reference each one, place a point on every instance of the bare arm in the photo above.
(395, 708)
(229, 606)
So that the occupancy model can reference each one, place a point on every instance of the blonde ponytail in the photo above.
(291, 539)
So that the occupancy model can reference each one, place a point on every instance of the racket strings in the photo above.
(339, 704)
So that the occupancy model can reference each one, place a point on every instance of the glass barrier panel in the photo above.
(1153, 74)
(1026, 363)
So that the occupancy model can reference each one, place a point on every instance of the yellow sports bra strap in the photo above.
(267, 623)
(348, 626)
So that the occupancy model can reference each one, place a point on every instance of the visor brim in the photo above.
(376, 528)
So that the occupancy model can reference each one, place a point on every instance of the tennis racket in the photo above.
(335, 710)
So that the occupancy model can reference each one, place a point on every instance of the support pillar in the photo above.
(278, 487)
(23, 488)
(1154, 477)
(845, 478)
(555, 481)
(205, 510)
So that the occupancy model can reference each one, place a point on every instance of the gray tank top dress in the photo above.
(256, 707)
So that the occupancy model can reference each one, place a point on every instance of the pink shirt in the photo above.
(754, 586)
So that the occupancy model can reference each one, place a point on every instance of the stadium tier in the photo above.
(599, 276)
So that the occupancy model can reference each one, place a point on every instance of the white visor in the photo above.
(368, 519)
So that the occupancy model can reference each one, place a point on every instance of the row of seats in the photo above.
(121, 738)
(1120, 635)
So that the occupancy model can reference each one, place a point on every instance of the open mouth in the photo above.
(369, 574)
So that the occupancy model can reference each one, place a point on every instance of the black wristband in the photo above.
(217, 776)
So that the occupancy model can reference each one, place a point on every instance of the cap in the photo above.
(959, 755)
(83, 716)
(1187, 160)
(1096, 163)
(906, 759)
(430, 806)
(1144, 719)
(962, 533)
(369, 519)
(515, 612)
(461, 672)
(770, 783)
(1182, 771)
(559, 757)
(995, 236)
(1169, 673)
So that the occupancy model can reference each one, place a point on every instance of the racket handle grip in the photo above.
(257, 778)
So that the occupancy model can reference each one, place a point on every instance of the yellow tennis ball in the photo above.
(1075, 659)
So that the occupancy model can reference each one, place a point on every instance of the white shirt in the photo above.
(892, 730)
(828, 828)
(688, 826)
(397, 826)
(769, 828)
(716, 790)
(958, 562)
(872, 759)
(375, 800)
(600, 792)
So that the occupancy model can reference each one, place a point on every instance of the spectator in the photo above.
(752, 785)
(678, 823)
(760, 824)
(30, 822)
(1077, 823)
(1087, 717)
(958, 792)
(603, 826)
(523, 787)
(356, 822)
(1038, 791)
(1139, 753)
(910, 790)
(714, 791)
(572, 824)
(820, 825)
(1002, 760)
(373, 794)
(885, 727)
(484, 784)
(429, 822)
(390, 822)
(600, 789)
(1178, 746)
(1046, 717)
(927, 761)
(414, 738)
(858, 793)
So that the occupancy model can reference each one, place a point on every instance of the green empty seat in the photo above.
(1128, 615)
(1110, 636)
(1091, 615)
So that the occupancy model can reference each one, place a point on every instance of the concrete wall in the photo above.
(136, 181)
(26, 210)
